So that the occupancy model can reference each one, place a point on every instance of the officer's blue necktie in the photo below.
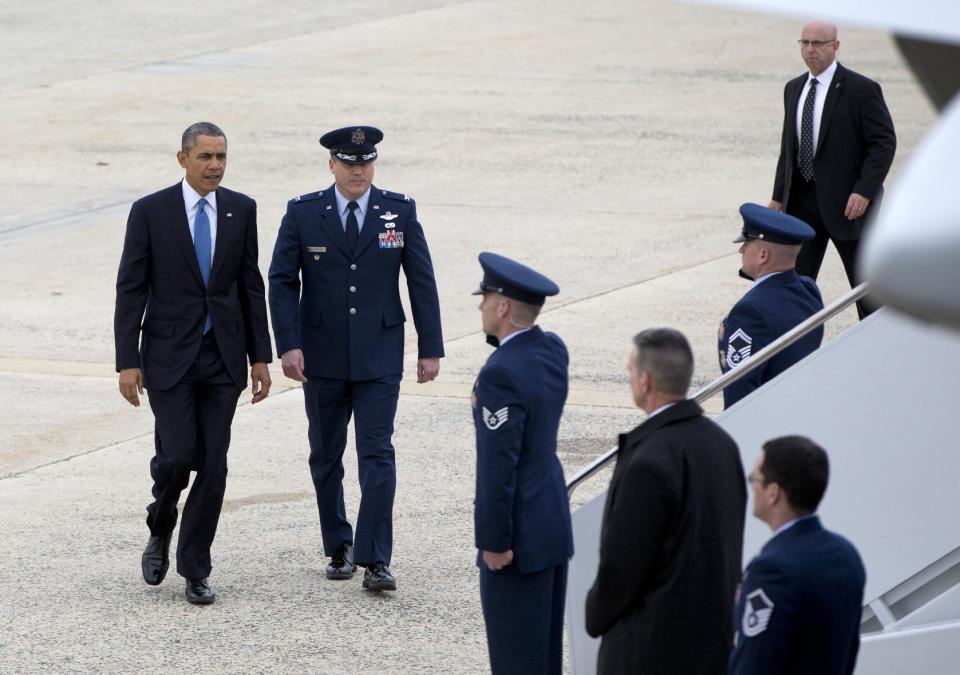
(202, 245)
(806, 132)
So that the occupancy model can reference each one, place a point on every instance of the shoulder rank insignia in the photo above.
(308, 197)
(738, 348)
(395, 195)
(756, 613)
(495, 420)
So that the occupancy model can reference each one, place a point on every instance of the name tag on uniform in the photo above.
(391, 239)
(316, 249)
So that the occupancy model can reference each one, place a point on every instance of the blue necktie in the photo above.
(202, 245)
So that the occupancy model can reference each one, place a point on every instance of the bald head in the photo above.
(819, 43)
(824, 28)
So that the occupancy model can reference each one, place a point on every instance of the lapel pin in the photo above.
(329, 207)
(229, 215)
(376, 207)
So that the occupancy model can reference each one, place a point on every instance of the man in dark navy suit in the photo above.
(836, 148)
(338, 323)
(778, 301)
(672, 530)
(521, 512)
(189, 272)
(800, 601)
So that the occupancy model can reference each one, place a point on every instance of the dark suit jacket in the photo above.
(799, 605)
(767, 311)
(159, 282)
(670, 548)
(348, 320)
(521, 500)
(855, 148)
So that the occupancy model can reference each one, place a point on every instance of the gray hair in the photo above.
(189, 138)
(665, 355)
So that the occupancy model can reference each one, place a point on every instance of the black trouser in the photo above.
(803, 205)
(192, 433)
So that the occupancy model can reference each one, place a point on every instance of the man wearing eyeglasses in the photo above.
(837, 146)
(799, 604)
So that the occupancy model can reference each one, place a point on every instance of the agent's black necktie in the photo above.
(353, 229)
(806, 133)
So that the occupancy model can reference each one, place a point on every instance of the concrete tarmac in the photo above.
(609, 145)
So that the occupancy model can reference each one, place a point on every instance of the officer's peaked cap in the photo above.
(514, 280)
(353, 145)
(760, 222)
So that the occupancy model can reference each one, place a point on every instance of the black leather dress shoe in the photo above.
(341, 564)
(155, 560)
(378, 578)
(199, 592)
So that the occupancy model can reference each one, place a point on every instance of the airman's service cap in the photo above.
(353, 145)
(514, 280)
(776, 227)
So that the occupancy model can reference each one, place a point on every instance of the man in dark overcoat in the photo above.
(672, 530)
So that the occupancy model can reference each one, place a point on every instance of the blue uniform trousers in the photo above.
(524, 618)
(330, 403)
(192, 432)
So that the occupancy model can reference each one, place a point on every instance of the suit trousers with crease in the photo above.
(803, 205)
(523, 614)
(330, 403)
(192, 433)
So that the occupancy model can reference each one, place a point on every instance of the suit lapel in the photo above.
(836, 88)
(792, 107)
(180, 229)
(330, 221)
(371, 220)
(224, 231)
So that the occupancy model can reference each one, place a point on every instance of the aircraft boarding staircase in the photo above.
(881, 399)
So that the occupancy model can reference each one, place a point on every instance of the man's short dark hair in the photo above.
(665, 355)
(189, 138)
(800, 467)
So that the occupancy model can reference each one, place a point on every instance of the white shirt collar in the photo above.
(191, 197)
(513, 335)
(790, 523)
(343, 201)
(662, 408)
(826, 77)
(766, 276)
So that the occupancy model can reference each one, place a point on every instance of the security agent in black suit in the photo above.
(799, 604)
(339, 327)
(778, 300)
(189, 272)
(836, 148)
(521, 512)
(672, 531)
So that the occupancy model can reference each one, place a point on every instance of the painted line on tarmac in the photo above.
(676, 269)
(61, 215)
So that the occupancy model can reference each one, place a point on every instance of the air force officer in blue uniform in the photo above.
(778, 301)
(521, 511)
(799, 604)
(338, 323)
